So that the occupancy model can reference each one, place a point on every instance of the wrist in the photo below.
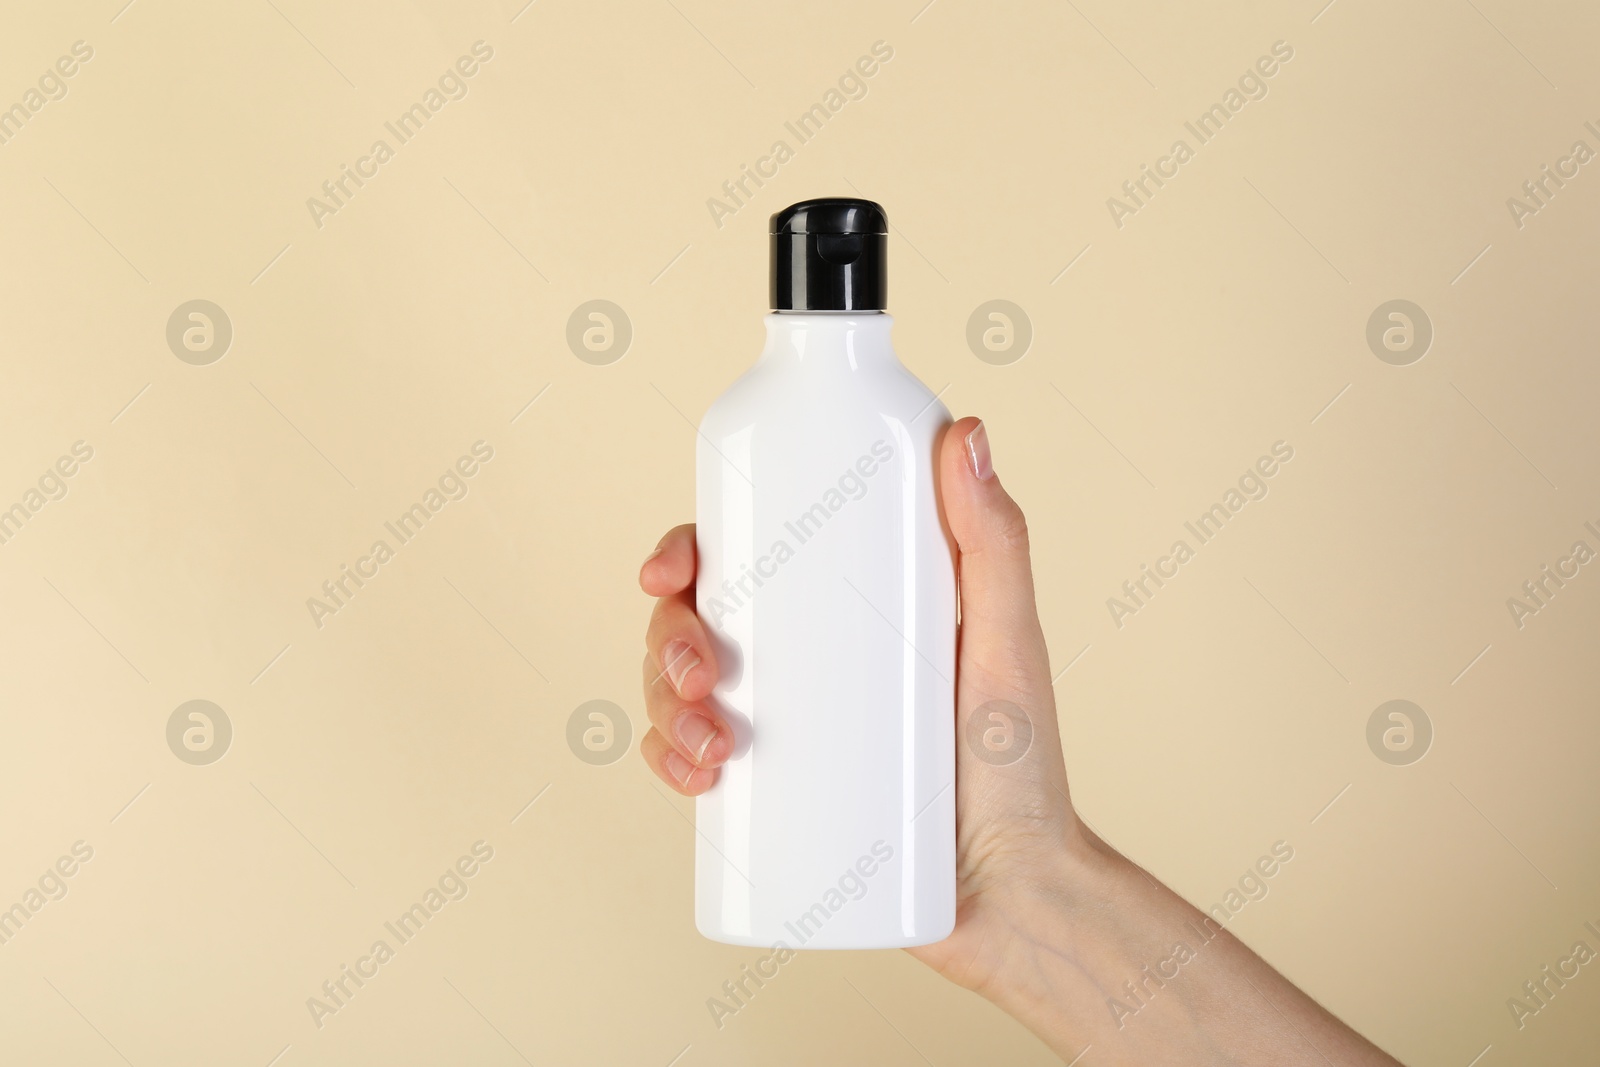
(1095, 941)
(1059, 946)
(1102, 955)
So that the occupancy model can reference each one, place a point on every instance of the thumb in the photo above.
(1001, 639)
(1002, 653)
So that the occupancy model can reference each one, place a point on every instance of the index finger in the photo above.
(670, 569)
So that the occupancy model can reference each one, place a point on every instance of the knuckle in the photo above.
(1010, 530)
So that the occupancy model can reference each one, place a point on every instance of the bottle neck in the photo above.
(853, 336)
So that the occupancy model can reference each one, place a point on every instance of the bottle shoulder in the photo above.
(774, 394)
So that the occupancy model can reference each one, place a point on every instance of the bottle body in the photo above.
(827, 584)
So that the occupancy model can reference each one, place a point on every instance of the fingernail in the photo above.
(652, 556)
(679, 768)
(678, 659)
(978, 453)
(696, 732)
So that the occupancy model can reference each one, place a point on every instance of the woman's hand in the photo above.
(687, 740)
(1051, 924)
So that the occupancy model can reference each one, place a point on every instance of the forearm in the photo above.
(1104, 956)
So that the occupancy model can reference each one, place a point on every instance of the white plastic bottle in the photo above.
(827, 583)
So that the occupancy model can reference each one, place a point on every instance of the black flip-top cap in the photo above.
(830, 255)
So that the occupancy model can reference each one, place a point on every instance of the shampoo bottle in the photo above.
(827, 584)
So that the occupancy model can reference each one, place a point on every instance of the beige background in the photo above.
(369, 353)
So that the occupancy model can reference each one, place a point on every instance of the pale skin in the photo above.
(1052, 924)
